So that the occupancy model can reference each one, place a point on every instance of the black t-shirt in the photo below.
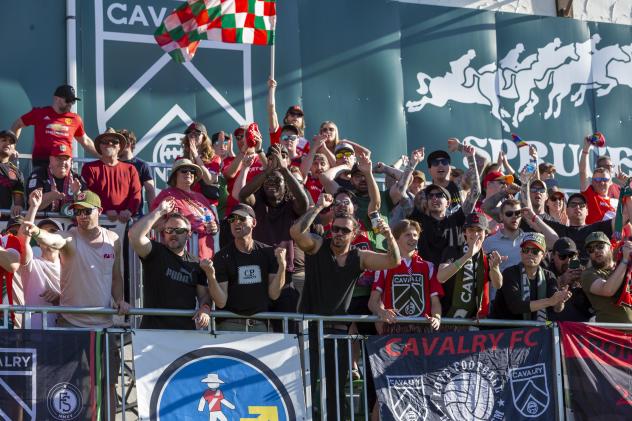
(40, 179)
(247, 276)
(144, 174)
(329, 287)
(11, 181)
(170, 281)
(442, 239)
(524, 225)
(273, 227)
(455, 197)
(578, 307)
(508, 303)
(579, 233)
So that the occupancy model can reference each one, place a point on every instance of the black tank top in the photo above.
(329, 287)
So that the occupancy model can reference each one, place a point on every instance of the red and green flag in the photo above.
(236, 21)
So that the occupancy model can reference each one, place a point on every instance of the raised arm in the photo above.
(244, 191)
(306, 163)
(584, 182)
(370, 260)
(358, 149)
(398, 190)
(308, 242)
(273, 119)
(475, 189)
(87, 144)
(455, 145)
(277, 280)
(138, 232)
(300, 202)
(17, 127)
(35, 200)
(375, 200)
(57, 241)
(218, 292)
(207, 177)
(327, 178)
(608, 287)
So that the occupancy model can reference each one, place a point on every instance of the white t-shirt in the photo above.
(38, 275)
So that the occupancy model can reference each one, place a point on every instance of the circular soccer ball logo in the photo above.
(469, 396)
(167, 149)
(64, 402)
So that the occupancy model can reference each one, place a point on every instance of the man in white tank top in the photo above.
(90, 264)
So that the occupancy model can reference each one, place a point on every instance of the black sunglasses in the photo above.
(439, 161)
(532, 250)
(509, 214)
(236, 218)
(187, 171)
(84, 211)
(175, 230)
(435, 195)
(566, 256)
(336, 229)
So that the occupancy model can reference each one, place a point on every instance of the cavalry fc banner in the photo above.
(48, 375)
(476, 376)
(196, 376)
(597, 372)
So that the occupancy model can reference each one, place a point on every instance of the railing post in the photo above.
(307, 372)
(559, 385)
(323, 377)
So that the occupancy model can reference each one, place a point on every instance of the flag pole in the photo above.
(272, 47)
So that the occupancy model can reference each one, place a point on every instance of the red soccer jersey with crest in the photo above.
(599, 208)
(51, 127)
(407, 289)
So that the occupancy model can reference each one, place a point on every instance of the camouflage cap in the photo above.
(535, 239)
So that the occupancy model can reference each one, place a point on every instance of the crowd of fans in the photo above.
(304, 227)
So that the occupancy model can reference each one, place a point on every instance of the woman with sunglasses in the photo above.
(197, 147)
(555, 205)
(293, 116)
(191, 204)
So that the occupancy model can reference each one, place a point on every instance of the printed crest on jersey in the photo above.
(408, 294)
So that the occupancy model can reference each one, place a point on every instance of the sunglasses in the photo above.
(345, 202)
(236, 218)
(194, 133)
(336, 229)
(435, 195)
(295, 114)
(537, 190)
(239, 136)
(345, 154)
(599, 246)
(601, 179)
(566, 256)
(84, 211)
(530, 250)
(110, 142)
(576, 205)
(510, 214)
(288, 138)
(327, 129)
(556, 198)
(174, 230)
(187, 171)
(439, 161)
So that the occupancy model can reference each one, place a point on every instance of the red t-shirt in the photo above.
(407, 290)
(255, 168)
(303, 144)
(599, 208)
(209, 395)
(52, 127)
(117, 186)
(313, 186)
(9, 242)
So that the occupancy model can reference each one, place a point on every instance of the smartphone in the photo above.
(574, 264)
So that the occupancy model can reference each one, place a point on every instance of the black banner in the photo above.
(488, 375)
(598, 372)
(46, 375)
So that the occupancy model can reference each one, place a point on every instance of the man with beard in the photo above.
(278, 199)
(245, 275)
(467, 279)
(528, 290)
(55, 123)
(578, 308)
(58, 182)
(607, 284)
(11, 179)
(116, 182)
(595, 190)
(172, 278)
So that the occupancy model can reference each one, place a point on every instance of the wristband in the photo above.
(585, 152)
(36, 236)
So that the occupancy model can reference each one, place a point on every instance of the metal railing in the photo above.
(304, 321)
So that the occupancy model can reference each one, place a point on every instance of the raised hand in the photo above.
(495, 259)
(75, 186)
(249, 159)
(364, 163)
(469, 150)
(318, 141)
(453, 144)
(475, 243)
(29, 228)
(279, 253)
(167, 205)
(193, 150)
(379, 168)
(35, 198)
(417, 156)
(207, 266)
(533, 152)
(325, 200)
(272, 83)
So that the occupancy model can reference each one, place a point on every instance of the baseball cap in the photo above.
(296, 109)
(66, 92)
(9, 134)
(59, 149)
(537, 181)
(534, 239)
(596, 237)
(565, 245)
(576, 195)
(87, 199)
(244, 210)
(14, 220)
(239, 131)
(476, 219)
(290, 128)
(419, 174)
(196, 125)
(443, 190)
(343, 146)
(496, 176)
(49, 221)
(438, 155)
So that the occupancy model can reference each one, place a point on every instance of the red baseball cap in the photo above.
(58, 149)
(496, 176)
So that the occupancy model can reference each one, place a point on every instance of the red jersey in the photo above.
(255, 168)
(599, 208)
(118, 186)
(314, 187)
(303, 144)
(51, 127)
(13, 243)
(209, 395)
(407, 289)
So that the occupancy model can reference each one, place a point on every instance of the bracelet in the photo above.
(585, 152)
(36, 236)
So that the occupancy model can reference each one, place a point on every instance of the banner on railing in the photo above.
(192, 375)
(486, 375)
(47, 375)
(598, 371)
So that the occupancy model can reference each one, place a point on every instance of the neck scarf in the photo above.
(56, 205)
(472, 281)
(525, 291)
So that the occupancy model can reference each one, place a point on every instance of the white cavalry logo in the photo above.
(580, 65)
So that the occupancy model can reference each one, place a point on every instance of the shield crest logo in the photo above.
(408, 294)
(529, 390)
(406, 398)
(18, 381)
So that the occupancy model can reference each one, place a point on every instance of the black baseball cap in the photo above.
(67, 92)
(10, 135)
(565, 245)
(576, 195)
(476, 219)
(244, 210)
(438, 155)
(196, 125)
(443, 190)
